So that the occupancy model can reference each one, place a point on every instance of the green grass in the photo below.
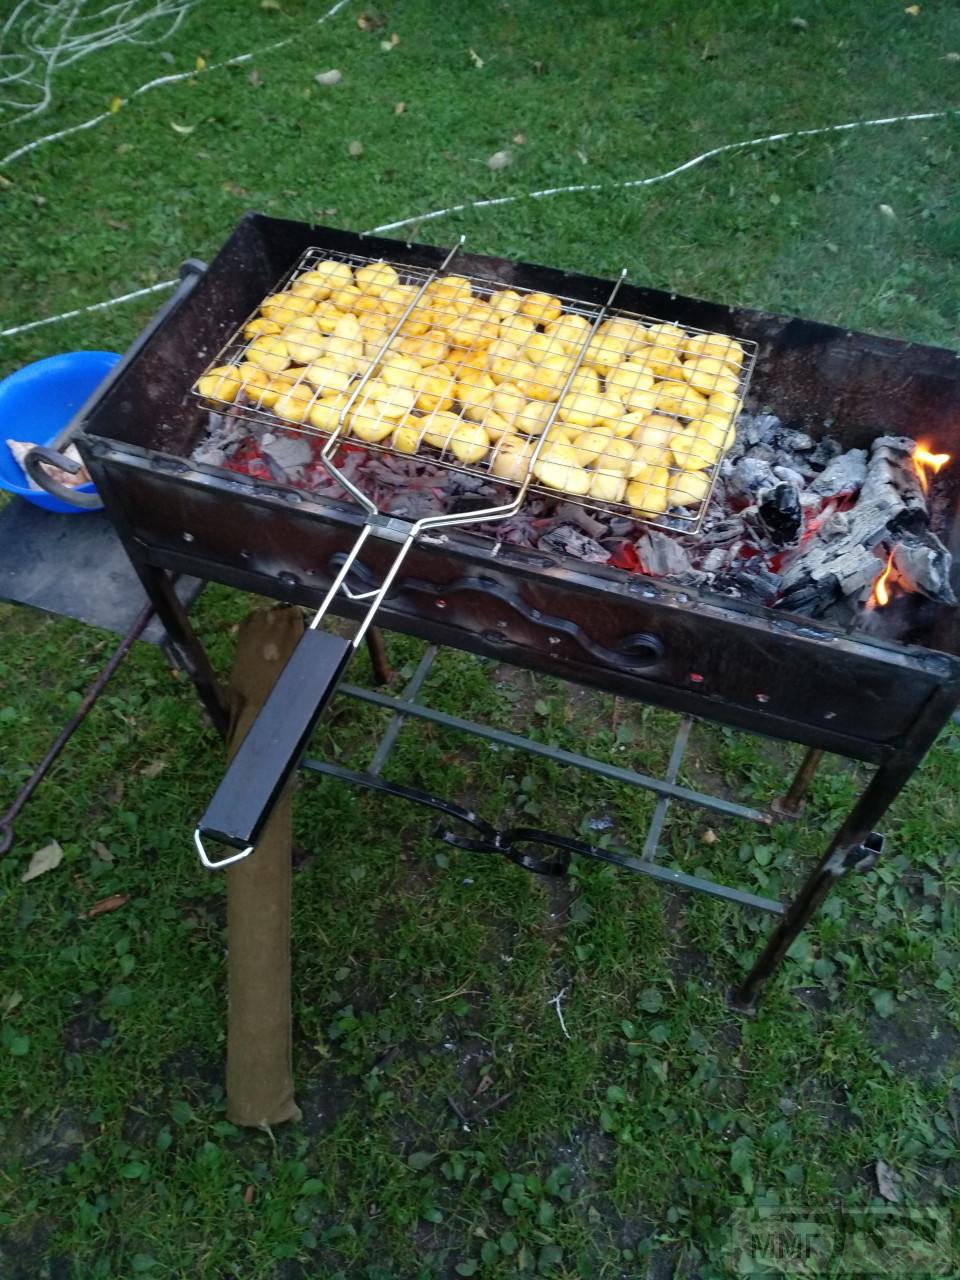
(421, 971)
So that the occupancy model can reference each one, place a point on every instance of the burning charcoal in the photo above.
(620, 526)
(749, 478)
(764, 453)
(762, 428)
(924, 565)
(287, 452)
(780, 515)
(210, 455)
(756, 584)
(844, 474)
(835, 526)
(827, 449)
(662, 556)
(810, 598)
(565, 540)
(415, 504)
(725, 531)
(581, 516)
(796, 441)
(716, 560)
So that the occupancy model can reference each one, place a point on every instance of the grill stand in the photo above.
(855, 847)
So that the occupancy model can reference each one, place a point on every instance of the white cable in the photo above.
(668, 173)
(94, 306)
(157, 83)
(42, 36)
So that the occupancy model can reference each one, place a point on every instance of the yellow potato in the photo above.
(717, 346)
(417, 322)
(649, 495)
(588, 445)
(721, 420)
(374, 331)
(699, 449)
(624, 380)
(582, 410)
(438, 427)
(470, 443)
(517, 328)
(260, 325)
(512, 458)
(325, 414)
(406, 437)
(618, 455)
(474, 329)
(284, 307)
(376, 277)
(304, 340)
(427, 348)
(548, 379)
(606, 351)
(568, 333)
(436, 389)
(397, 298)
(450, 288)
(724, 402)
(537, 348)
(655, 430)
(557, 468)
(688, 488)
(533, 417)
(607, 486)
(326, 277)
(327, 316)
(270, 353)
(631, 331)
(401, 371)
(680, 400)
(540, 307)
(327, 376)
(663, 362)
(223, 383)
(496, 426)
(611, 413)
(369, 304)
(476, 396)
(268, 389)
(667, 335)
(708, 374)
(346, 299)
(501, 358)
(294, 405)
(508, 400)
(505, 302)
(378, 409)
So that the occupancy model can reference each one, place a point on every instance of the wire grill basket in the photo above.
(544, 393)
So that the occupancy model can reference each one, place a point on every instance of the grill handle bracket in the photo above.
(272, 748)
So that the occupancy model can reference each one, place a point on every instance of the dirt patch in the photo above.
(918, 1040)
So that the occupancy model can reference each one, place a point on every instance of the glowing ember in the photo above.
(923, 460)
(881, 592)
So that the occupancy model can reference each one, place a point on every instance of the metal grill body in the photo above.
(880, 698)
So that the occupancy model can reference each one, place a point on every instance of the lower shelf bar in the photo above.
(614, 772)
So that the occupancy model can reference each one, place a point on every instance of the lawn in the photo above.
(638, 1146)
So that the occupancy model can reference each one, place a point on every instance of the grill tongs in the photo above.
(276, 740)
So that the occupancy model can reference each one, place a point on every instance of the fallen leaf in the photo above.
(709, 836)
(255, 78)
(799, 24)
(105, 905)
(232, 189)
(831, 247)
(951, 57)
(11, 1001)
(5, 182)
(388, 45)
(369, 22)
(328, 77)
(182, 129)
(888, 1183)
(44, 860)
(153, 769)
(102, 852)
(483, 1086)
(125, 148)
(201, 63)
(475, 59)
(116, 104)
(270, 5)
(115, 224)
(582, 156)
(355, 148)
(399, 109)
(520, 139)
(499, 160)
(912, 9)
(887, 212)
(249, 1193)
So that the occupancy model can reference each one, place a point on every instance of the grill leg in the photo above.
(382, 671)
(184, 642)
(789, 806)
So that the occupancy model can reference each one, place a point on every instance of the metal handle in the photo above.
(33, 464)
(272, 748)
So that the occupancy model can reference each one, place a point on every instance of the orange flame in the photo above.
(881, 592)
(923, 459)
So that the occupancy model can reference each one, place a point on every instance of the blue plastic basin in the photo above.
(36, 403)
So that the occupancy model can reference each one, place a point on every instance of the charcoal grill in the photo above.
(880, 698)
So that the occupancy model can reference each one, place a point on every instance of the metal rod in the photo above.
(396, 724)
(614, 772)
(139, 625)
(660, 812)
(789, 805)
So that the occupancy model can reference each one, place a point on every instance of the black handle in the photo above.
(276, 740)
(33, 464)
